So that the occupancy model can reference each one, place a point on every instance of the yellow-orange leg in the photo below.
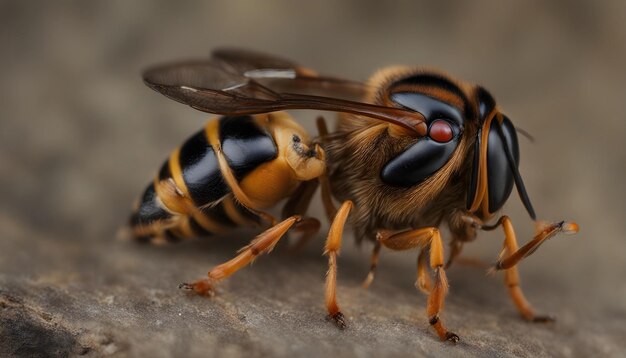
(262, 244)
(512, 279)
(511, 255)
(332, 249)
(423, 281)
(546, 231)
(373, 265)
(422, 238)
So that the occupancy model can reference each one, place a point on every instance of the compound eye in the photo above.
(440, 131)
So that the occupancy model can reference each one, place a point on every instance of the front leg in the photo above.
(511, 255)
(332, 248)
(546, 231)
(427, 237)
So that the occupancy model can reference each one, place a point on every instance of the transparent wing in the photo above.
(235, 82)
(286, 76)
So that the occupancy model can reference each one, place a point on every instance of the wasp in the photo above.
(414, 150)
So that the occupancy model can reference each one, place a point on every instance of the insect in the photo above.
(414, 150)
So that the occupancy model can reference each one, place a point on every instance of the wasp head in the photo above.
(496, 161)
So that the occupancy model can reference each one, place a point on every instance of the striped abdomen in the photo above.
(189, 196)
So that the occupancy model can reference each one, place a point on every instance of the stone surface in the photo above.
(80, 136)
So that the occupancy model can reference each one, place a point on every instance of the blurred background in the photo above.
(80, 137)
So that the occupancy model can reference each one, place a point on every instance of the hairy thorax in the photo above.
(358, 151)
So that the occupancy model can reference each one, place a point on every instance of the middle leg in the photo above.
(332, 248)
(427, 237)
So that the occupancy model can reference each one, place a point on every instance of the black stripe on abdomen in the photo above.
(245, 145)
(201, 171)
(164, 172)
(150, 209)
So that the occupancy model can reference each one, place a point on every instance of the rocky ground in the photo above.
(80, 135)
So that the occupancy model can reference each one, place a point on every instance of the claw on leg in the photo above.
(544, 319)
(452, 337)
(203, 287)
(339, 319)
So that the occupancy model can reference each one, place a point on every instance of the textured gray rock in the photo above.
(81, 135)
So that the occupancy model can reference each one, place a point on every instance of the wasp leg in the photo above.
(332, 248)
(512, 279)
(373, 265)
(262, 244)
(511, 274)
(431, 237)
(545, 233)
(423, 282)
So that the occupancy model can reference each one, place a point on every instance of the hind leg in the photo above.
(262, 244)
